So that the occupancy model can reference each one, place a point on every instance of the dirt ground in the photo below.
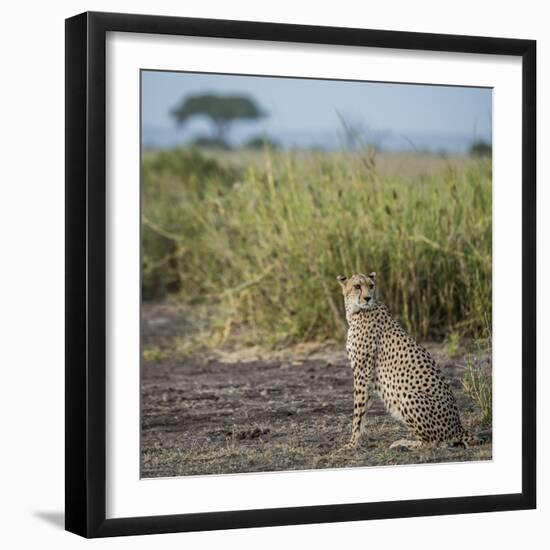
(250, 411)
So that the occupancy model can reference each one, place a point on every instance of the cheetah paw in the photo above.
(405, 444)
(347, 447)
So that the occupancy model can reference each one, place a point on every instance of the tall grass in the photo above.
(266, 241)
(477, 379)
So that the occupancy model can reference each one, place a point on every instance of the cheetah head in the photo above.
(359, 291)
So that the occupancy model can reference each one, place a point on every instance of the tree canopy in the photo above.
(221, 110)
(481, 148)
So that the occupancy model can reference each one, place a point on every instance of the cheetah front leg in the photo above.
(361, 401)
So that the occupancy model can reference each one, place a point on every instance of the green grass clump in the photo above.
(477, 380)
(155, 354)
(266, 240)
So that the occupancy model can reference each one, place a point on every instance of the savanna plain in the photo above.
(243, 328)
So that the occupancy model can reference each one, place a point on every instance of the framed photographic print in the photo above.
(300, 274)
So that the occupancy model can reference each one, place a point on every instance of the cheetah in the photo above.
(386, 360)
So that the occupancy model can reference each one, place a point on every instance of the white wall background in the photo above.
(32, 271)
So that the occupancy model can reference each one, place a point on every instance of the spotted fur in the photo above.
(387, 361)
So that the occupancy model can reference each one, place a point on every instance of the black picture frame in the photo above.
(86, 284)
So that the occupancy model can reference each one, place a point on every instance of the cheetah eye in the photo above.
(357, 287)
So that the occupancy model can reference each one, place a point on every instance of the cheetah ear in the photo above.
(373, 276)
(341, 279)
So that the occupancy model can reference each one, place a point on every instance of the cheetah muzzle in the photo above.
(387, 361)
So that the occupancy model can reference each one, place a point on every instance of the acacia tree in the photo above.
(221, 110)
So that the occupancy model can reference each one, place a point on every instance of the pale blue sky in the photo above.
(304, 112)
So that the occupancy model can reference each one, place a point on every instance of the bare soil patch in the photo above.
(251, 411)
